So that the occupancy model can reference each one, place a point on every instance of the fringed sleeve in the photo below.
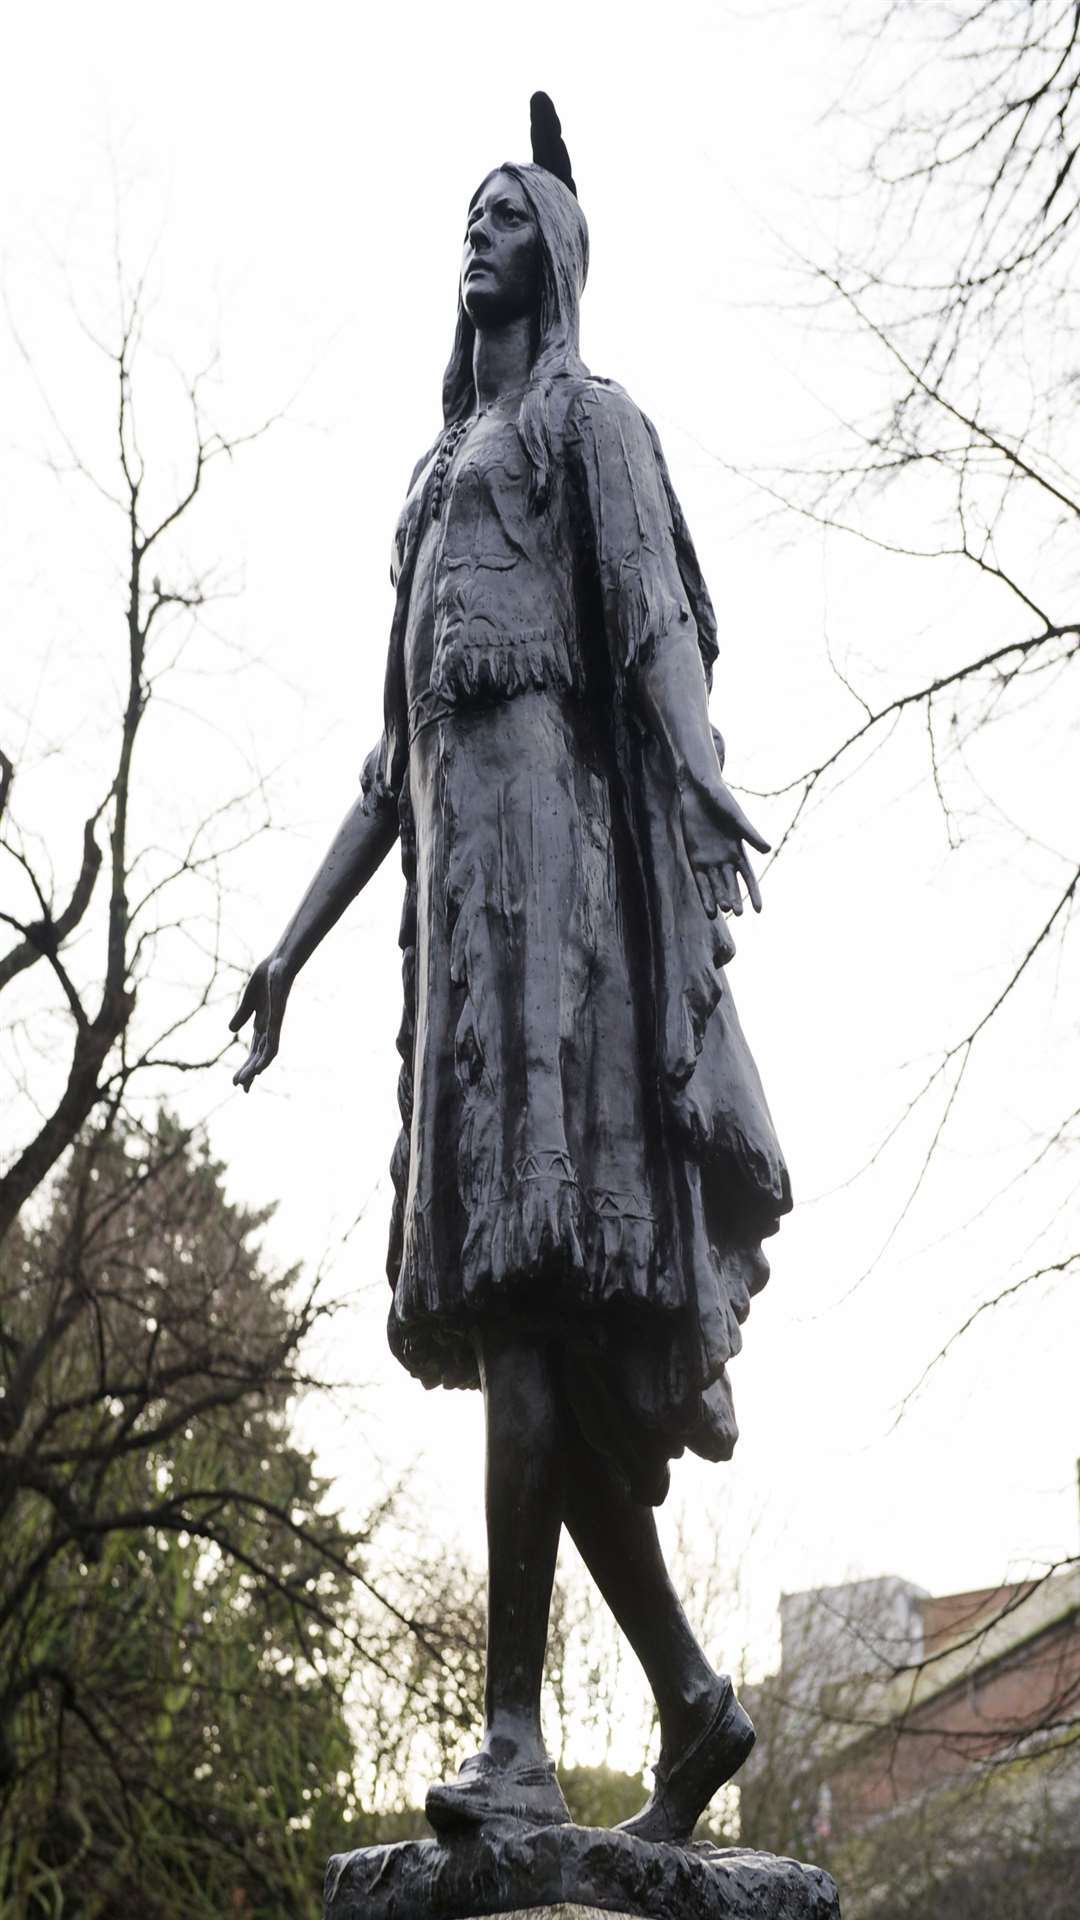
(649, 582)
(643, 591)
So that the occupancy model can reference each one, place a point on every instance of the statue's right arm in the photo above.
(358, 848)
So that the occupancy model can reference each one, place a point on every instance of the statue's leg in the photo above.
(525, 1481)
(617, 1539)
(511, 1776)
(705, 1734)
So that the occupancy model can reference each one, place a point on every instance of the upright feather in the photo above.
(548, 147)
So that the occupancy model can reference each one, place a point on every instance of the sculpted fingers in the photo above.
(271, 984)
(704, 878)
(750, 878)
(729, 894)
(744, 829)
(257, 1001)
(244, 1075)
(264, 1047)
(249, 1001)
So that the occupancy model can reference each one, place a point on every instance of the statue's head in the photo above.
(526, 253)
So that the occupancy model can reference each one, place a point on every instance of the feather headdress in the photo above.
(548, 146)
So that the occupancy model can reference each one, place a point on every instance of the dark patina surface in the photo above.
(587, 1167)
(510, 1870)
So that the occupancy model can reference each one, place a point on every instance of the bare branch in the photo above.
(985, 1306)
(46, 936)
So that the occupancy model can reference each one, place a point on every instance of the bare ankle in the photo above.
(514, 1740)
(687, 1714)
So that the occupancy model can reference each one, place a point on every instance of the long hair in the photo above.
(564, 263)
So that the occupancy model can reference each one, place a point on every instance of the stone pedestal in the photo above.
(572, 1872)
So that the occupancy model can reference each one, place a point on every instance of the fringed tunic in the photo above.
(585, 1151)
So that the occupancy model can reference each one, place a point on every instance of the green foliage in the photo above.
(174, 1599)
(417, 1699)
(1002, 1847)
(600, 1796)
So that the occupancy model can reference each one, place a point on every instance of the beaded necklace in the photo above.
(450, 445)
(453, 438)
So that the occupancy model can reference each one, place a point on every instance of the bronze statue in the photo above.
(586, 1167)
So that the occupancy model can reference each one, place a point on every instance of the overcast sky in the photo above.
(300, 179)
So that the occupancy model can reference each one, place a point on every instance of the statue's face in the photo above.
(500, 266)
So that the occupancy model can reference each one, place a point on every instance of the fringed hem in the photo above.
(500, 665)
(540, 1238)
(648, 1376)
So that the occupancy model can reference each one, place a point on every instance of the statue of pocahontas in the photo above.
(587, 1167)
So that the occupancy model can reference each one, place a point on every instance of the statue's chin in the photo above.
(489, 309)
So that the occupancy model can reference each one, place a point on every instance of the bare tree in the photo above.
(955, 295)
(959, 284)
(118, 906)
(170, 1565)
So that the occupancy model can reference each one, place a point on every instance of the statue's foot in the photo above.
(484, 1792)
(686, 1781)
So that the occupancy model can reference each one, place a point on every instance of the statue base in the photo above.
(571, 1872)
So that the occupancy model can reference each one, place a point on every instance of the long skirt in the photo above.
(538, 1183)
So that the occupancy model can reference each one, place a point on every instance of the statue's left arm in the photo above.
(657, 653)
(356, 852)
(674, 700)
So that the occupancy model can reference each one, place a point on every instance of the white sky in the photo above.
(304, 176)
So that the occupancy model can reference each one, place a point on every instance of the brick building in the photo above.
(895, 1707)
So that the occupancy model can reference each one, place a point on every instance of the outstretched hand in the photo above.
(265, 996)
(716, 832)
